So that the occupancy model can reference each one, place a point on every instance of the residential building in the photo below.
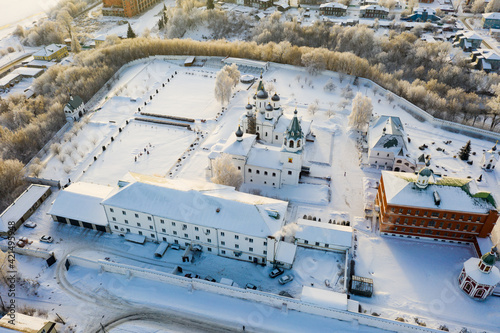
(430, 207)
(51, 52)
(387, 145)
(373, 11)
(467, 40)
(491, 20)
(422, 14)
(29, 73)
(323, 236)
(260, 4)
(486, 60)
(74, 109)
(333, 9)
(490, 159)
(80, 205)
(426, 1)
(222, 220)
(479, 277)
(23, 207)
(126, 8)
(10, 80)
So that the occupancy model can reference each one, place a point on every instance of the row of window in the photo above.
(258, 172)
(433, 223)
(317, 243)
(436, 214)
(430, 232)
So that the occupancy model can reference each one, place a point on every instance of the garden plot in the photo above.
(129, 152)
(186, 95)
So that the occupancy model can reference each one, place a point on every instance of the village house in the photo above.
(333, 9)
(422, 14)
(323, 236)
(260, 4)
(467, 40)
(51, 52)
(486, 60)
(74, 109)
(491, 20)
(373, 11)
(387, 145)
(431, 207)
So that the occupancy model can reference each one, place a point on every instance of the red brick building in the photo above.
(430, 207)
(126, 8)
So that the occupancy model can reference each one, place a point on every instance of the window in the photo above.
(250, 240)
(136, 215)
(126, 221)
(237, 246)
(453, 216)
(209, 240)
(265, 173)
(431, 223)
(184, 226)
(223, 251)
(208, 232)
(405, 221)
(164, 239)
(392, 209)
(289, 172)
(162, 221)
(425, 213)
(175, 232)
(441, 224)
(470, 218)
(222, 233)
(265, 134)
(326, 245)
(236, 237)
(449, 226)
(265, 243)
(163, 230)
(474, 228)
(317, 243)
(250, 249)
(149, 218)
(116, 227)
(428, 232)
(113, 218)
(466, 227)
(176, 241)
(478, 219)
(397, 220)
(222, 243)
(249, 170)
(186, 236)
(151, 227)
(173, 223)
(417, 212)
(196, 229)
(152, 235)
(111, 210)
(445, 215)
(124, 212)
(140, 233)
(128, 229)
(290, 160)
(457, 226)
(197, 237)
(138, 224)
(408, 211)
(257, 172)
(306, 242)
(239, 168)
(209, 249)
(461, 217)
(435, 214)
(276, 137)
(265, 252)
(400, 210)
(274, 174)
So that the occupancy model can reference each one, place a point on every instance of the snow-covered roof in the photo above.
(285, 252)
(488, 54)
(325, 233)
(387, 134)
(285, 120)
(247, 62)
(265, 156)
(332, 5)
(49, 50)
(19, 207)
(485, 244)
(401, 190)
(9, 77)
(234, 147)
(420, 10)
(41, 63)
(374, 7)
(323, 297)
(492, 16)
(471, 35)
(471, 268)
(24, 323)
(201, 203)
(82, 202)
(28, 71)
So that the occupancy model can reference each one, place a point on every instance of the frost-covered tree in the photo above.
(75, 44)
(313, 108)
(233, 72)
(361, 111)
(330, 86)
(223, 87)
(314, 61)
(226, 173)
(464, 152)
(493, 6)
(478, 6)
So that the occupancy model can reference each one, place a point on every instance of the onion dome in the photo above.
(239, 132)
(262, 94)
(426, 172)
(249, 106)
(275, 98)
(269, 107)
(489, 258)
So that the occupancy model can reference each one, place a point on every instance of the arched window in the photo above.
(290, 144)
(298, 144)
(479, 293)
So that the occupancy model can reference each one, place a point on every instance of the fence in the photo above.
(29, 252)
(272, 300)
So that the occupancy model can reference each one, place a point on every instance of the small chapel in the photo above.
(479, 277)
(268, 146)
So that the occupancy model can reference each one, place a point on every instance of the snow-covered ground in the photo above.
(407, 274)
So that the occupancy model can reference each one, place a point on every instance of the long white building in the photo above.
(217, 217)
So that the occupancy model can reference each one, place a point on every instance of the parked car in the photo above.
(46, 239)
(189, 275)
(276, 272)
(209, 278)
(251, 286)
(285, 279)
(175, 246)
(21, 243)
(29, 224)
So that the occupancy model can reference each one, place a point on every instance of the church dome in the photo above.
(239, 132)
(262, 94)
(275, 98)
(269, 107)
(249, 106)
(489, 258)
(426, 172)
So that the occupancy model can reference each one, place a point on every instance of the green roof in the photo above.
(489, 258)
(294, 130)
(391, 143)
(75, 102)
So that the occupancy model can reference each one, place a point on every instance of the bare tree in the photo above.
(233, 72)
(313, 108)
(225, 173)
(330, 86)
(314, 61)
(347, 92)
(361, 111)
(493, 6)
(223, 87)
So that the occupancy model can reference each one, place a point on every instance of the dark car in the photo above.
(276, 272)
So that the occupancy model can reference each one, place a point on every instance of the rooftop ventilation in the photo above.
(437, 198)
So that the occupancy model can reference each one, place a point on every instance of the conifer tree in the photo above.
(465, 152)
(210, 4)
(130, 32)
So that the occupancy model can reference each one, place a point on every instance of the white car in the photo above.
(46, 239)
(29, 224)
(285, 279)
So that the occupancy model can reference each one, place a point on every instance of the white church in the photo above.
(268, 146)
